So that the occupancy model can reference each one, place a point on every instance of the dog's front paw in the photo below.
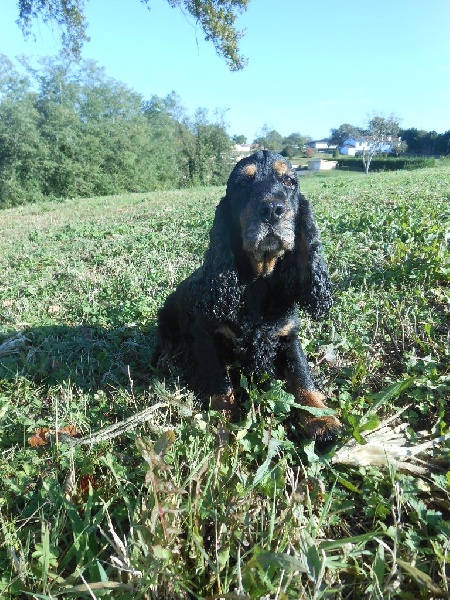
(324, 430)
(226, 405)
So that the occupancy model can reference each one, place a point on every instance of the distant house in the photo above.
(243, 150)
(353, 146)
(390, 144)
(321, 145)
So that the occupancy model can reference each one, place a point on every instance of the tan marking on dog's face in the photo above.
(280, 168)
(258, 267)
(249, 170)
(286, 329)
(265, 265)
(269, 264)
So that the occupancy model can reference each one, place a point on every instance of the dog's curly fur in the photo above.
(240, 307)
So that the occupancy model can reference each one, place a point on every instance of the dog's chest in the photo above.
(261, 302)
(262, 320)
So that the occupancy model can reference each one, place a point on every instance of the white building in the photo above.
(353, 146)
(320, 145)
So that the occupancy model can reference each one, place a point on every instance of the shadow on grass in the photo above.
(88, 356)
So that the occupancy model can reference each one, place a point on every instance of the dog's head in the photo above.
(263, 194)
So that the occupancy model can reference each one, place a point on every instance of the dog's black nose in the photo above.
(272, 211)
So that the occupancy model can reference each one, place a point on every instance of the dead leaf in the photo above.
(40, 437)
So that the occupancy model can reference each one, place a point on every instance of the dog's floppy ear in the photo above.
(314, 293)
(219, 256)
(215, 292)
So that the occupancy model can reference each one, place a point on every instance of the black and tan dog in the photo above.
(240, 307)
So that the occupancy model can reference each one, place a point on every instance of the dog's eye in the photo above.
(288, 181)
(245, 181)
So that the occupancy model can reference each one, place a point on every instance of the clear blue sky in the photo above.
(312, 65)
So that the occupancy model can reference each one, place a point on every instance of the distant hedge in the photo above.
(387, 164)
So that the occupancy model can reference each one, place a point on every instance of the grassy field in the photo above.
(160, 511)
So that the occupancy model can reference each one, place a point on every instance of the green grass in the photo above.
(161, 511)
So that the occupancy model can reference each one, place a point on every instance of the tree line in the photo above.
(69, 130)
(413, 141)
(377, 129)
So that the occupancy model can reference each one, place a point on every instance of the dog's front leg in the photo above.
(292, 365)
(209, 374)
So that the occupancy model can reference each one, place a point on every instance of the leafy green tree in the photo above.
(424, 142)
(115, 141)
(442, 143)
(90, 126)
(115, 134)
(239, 139)
(78, 133)
(22, 153)
(59, 126)
(399, 148)
(217, 18)
(207, 150)
(12, 83)
(269, 139)
(416, 139)
(165, 134)
(294, 144)
(69, 130)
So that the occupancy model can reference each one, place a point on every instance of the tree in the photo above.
(425, 142)
(22, 153)
(166, 129)
(239, 139)
(293, 144)
(96, 136)
(69, 130)
(380, 130)
(216, 17)
(207, 150)
(416, 139)
(269, 139)
(344, 132)
(442, 143)
(400, 147)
